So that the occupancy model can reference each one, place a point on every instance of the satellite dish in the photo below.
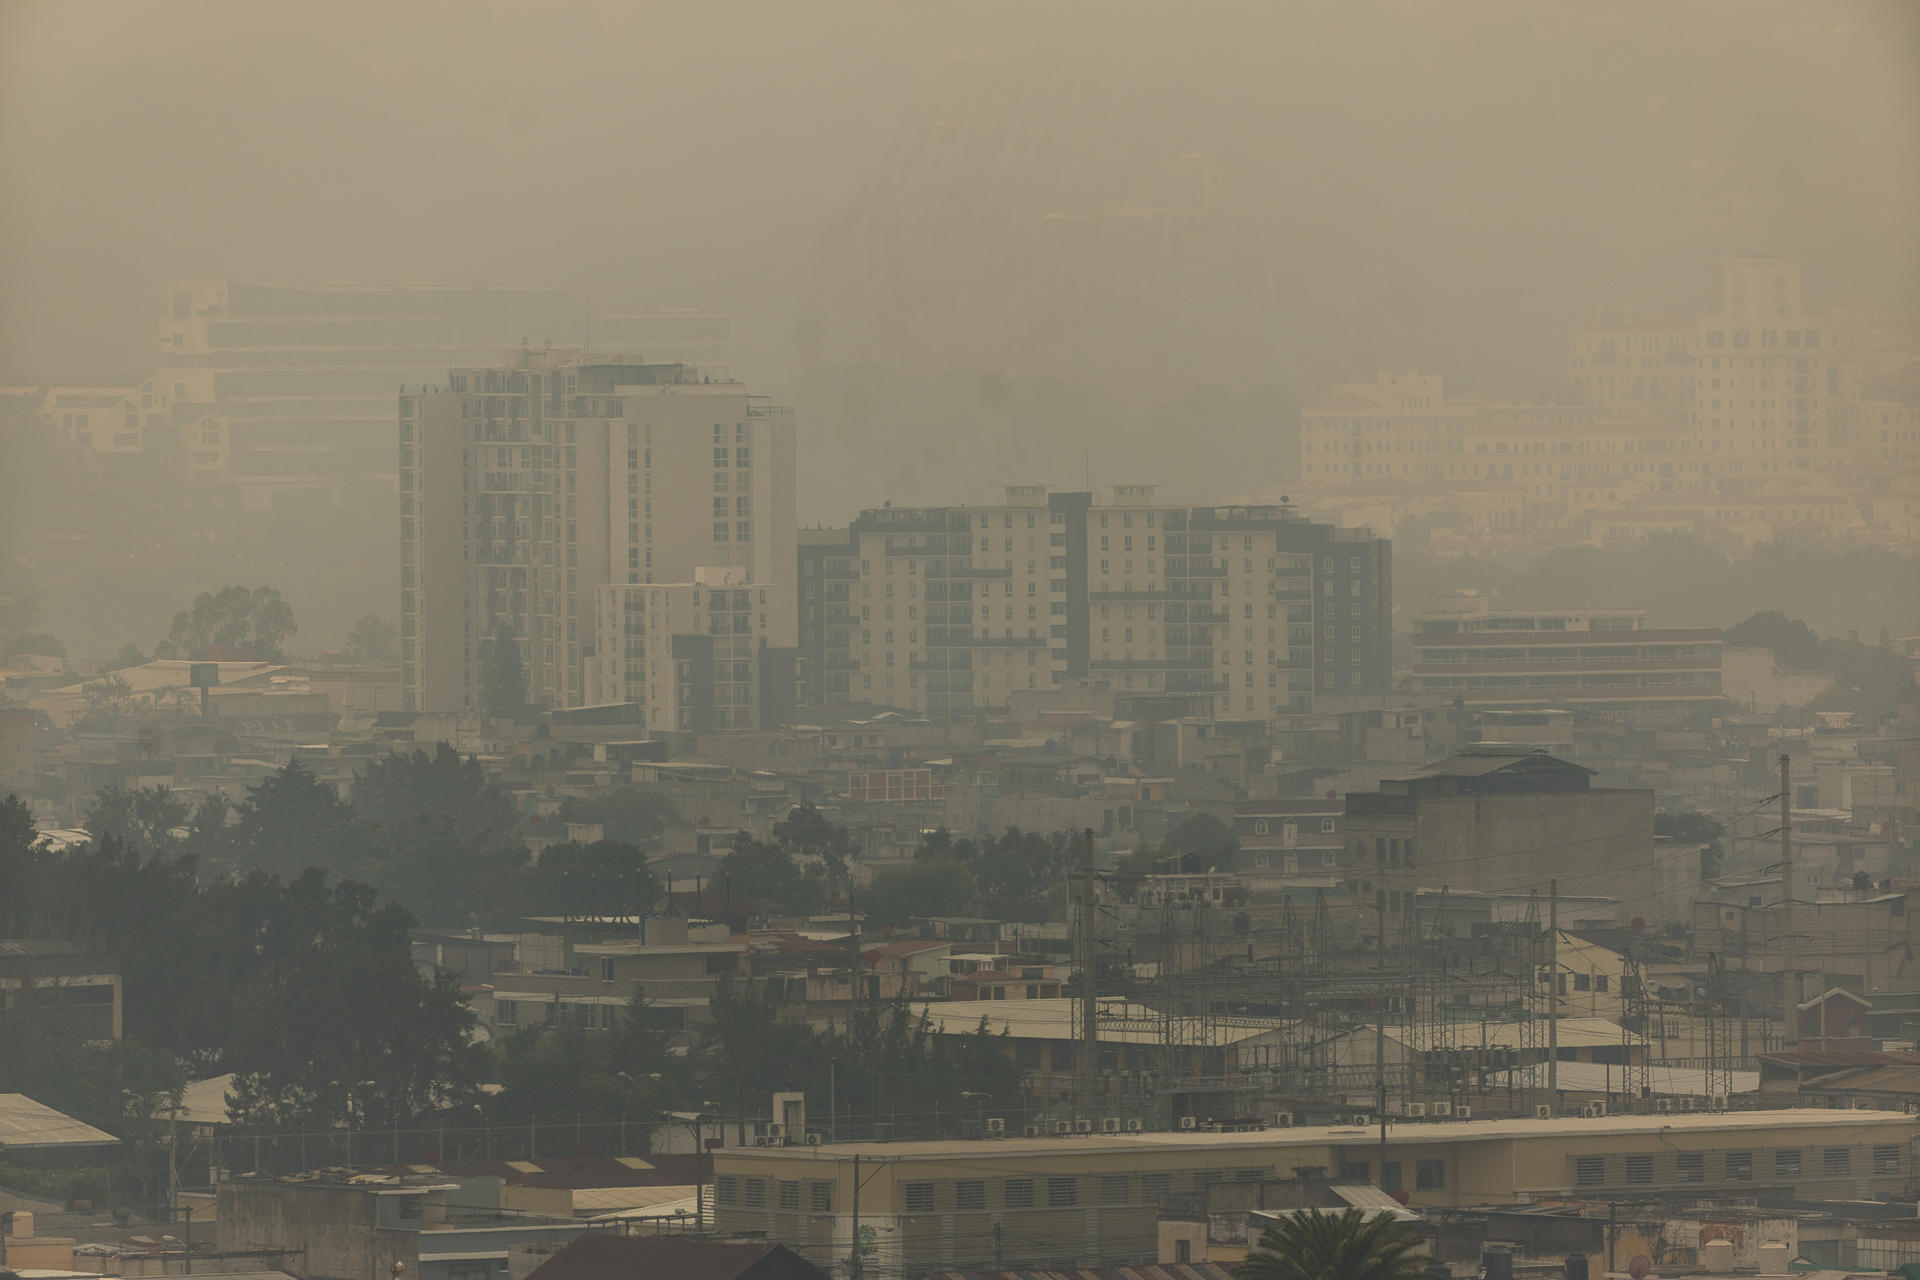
(1640, 1266)
(1332, 793)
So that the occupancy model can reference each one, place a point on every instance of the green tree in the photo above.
(807, 833)
(506, 679)
(336, 1025)
(374, 640)
(629, 815)
(927, 887)
(1018, 872)
(764, 869)
(256, 621)
(604, 878)
(1793, 642)
(1206, 838)
(36, 643)
(1690, 826)
(1312, 1245)
(291, 820)
(395, 788)
(1868, 681)
(146, 817)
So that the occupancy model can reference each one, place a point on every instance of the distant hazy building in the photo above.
(1760, 387)
(1243, 610)
(1597, 659)
(525, 489)
(1760, 421)
(302, 377)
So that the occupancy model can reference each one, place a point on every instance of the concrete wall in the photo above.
(1596, 843)
(335, 1226)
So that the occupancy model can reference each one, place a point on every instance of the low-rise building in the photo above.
(1607, 660)
(84, 984)
(1091, 1200)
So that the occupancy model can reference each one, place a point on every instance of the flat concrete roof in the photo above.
(1730, 1122)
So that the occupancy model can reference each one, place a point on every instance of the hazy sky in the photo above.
(1440, 184)
(935, 225)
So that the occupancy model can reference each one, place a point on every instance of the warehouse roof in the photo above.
(26, 1124)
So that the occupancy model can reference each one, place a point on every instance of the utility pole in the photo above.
(1553, 993)
(1792, 984)
(1380, 1032)
(853, 1262)
(1088, 1061)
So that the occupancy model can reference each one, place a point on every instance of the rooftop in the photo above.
(26, 1124)
(1806, 1119)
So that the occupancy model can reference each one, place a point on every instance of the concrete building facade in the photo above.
(1242, 610)
(1092, 1200)
(1494, 820)
(1603, 659)
(527, 488)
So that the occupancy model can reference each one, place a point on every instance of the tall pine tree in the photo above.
(506, 690)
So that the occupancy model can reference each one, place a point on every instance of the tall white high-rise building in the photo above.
(527, 488)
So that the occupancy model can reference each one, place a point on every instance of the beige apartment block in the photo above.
(526, 488)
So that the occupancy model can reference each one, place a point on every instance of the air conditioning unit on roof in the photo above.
(1542, 1112)
(1110, 1124)
(1442, 1110)
(1416, 1111)
(996, 1124)
(1189, 1123)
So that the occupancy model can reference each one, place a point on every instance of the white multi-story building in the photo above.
(1243, 611)
(527, 488)
(701, 655)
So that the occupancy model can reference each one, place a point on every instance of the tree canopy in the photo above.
(1313, 1245)
(506, 675)
(373, 640)
(255, 621)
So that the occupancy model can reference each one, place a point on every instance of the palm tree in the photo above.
(1311, 1245)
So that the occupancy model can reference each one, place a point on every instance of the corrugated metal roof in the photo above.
(25, 1124)
(607, 1257)
(1145, 1271)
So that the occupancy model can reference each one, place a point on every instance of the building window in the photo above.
(1589, 1171)
(919, 1197)
(1886, 1160)
(726, 1190)
(1017, 1193)
(970, 1195)
(756, 1193)
(1690, 1166)
(1153, 1186)
(1429, 1175)
(1113, 1190)
(1739, 1166)
(1063, 1193)
(1786, 1164)
(789, 1195)
(1837, 1161)
(822, 1197)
